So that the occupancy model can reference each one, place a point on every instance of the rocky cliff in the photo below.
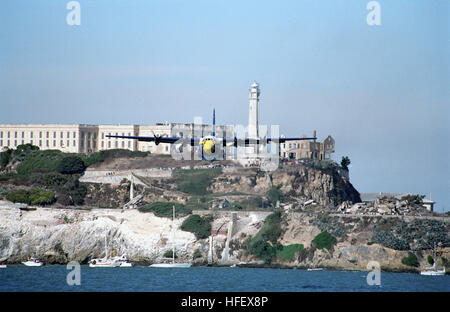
(63, 235)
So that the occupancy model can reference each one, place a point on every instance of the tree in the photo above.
(71, 165)
(345, 162)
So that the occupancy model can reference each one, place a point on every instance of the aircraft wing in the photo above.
(237, 141)
(157, 139)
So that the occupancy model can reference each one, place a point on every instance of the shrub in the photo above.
(71, 165)
(410, 260)
(5, 157)
(165, 209)
(345, 161)
(195, 181)
(201, 227)
(33, 197)
(18, 196)
(259, 246)
(169, 254)
(41, 197)
(430, 260)
(288, 252)
(274, 195)
(324, 240)
(262, 250)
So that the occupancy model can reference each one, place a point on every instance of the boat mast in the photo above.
(106, 249)
(173, 230)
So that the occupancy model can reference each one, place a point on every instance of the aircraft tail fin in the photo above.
(214, 123)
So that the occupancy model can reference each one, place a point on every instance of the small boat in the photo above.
(104, 262)
(314, 269)
(33, 262)
(233, 266)
(432, 271)
(2, 266)
(170, 265)
(173, 264)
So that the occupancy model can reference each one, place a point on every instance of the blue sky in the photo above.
(381, 91)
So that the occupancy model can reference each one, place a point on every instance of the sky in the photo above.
(382, 92)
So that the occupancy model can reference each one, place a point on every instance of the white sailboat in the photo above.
(123, 262)
(432, 271)
(173, 264)
(104, 262)
(33, 262)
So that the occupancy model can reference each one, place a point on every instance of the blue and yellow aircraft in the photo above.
(209, 144)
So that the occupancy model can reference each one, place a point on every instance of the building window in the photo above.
(30, 142)
(54, 142)
(103, 144)
(23, 134)
(15, 134)
(117, 144)
(123, 144)
(68, 142)
(68, 136)
(1, 142)
(109, 144)
(8, 142)
(15, 142)
(40, 134)
(167, 148)
(54, 134)
(8, 136)
(74, 134)
(40, 143)
(129, 144)
(1, 134)
(47, 134)
(61, 135)
(74, 143)
(61, 143)
(46, 143)
(23, 142)
(103, 135)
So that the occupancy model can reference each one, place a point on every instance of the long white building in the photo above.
(81, 138)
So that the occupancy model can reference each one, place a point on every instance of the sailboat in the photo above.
(173, 264)
(104, 262)
(432, 271)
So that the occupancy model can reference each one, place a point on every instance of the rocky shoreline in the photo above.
(58, 236)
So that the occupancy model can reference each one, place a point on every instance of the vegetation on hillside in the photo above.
(324, 240)
(420, 234)
(33, 197)
(200, 226)
(410, 260)
(264, 245)
(195, 181)
(54, 170)
(288, 252)
(165, 209)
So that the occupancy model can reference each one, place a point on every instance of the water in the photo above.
(210, 279)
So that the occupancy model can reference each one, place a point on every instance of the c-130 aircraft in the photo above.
(208, 143)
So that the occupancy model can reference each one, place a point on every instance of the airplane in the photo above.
(208, 143)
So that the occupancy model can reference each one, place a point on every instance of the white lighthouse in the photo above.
(253, 112)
